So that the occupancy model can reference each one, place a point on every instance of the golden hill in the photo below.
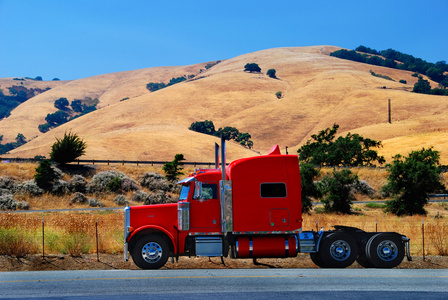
(318, 91)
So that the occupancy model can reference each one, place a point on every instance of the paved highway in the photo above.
(227, 284)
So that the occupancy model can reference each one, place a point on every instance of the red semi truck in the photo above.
(250, 208)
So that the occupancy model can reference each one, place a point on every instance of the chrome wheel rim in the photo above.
(152, 252)
(340, 250)
(387, 250)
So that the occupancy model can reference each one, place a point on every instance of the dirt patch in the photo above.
(111, 262)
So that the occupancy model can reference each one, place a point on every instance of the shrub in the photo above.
(8, 182)
(158, 198)
(278, 94)
(114, 184)
(78, 184)
(7, 202)
(139, 196)
(93, 202)
(120, 200)
(23, 205)
(45, 175)
(79, 198)
(363, 187)
(28, 187)
(128, 184)
(60, 187)
(403, 81)
(337, 191)
(155, 182)
(100, 181)
(67, 149)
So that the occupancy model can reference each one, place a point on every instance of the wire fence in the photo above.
(76, 234)
(106, 161)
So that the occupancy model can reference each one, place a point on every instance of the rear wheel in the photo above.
(315, 258)
(150, 252)
(363, 261)
(385, 250)
(338, 250)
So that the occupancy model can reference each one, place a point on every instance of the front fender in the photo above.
(153, 229)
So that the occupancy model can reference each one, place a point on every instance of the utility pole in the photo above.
(390, 120)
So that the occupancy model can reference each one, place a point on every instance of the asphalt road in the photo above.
(227, 284)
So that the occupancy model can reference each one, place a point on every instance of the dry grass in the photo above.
(65, 233)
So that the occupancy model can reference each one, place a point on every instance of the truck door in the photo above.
(205, 212)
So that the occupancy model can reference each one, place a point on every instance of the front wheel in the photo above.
(385, 250)
(338, 250)
(150, 252)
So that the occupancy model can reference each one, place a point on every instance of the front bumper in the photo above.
(125, 252)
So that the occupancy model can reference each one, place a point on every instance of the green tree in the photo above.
(228, 133)
(44, 127)
(20, 140)
(351, 150)
(57, 118)
(278, 94)
(336, 191)
(422, 86)
(309, 188)
(67, 149)
(173, 169)
(244, 140)
(252, 67)
(77, 105)
(206, 127)
(61, 103)
(271, 73)
(45, 175)
(410, 180)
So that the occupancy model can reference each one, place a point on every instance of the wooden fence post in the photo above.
(96, 233)
(423, 238)
(43, 239)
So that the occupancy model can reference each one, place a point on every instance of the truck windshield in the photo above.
(184, 192)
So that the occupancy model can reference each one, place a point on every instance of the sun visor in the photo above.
(186, 180)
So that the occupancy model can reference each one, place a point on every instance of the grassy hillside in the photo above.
(318, 91)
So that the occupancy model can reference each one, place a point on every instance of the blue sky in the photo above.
(82, 38)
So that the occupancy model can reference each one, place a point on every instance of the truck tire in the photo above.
(150, 252)
(363, 261)
(338, 250)
(315, 258)
(385, 250)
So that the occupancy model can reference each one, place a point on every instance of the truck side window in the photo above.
(209, 191)
(273, 190)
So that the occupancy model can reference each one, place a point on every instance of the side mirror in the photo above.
(197, 190)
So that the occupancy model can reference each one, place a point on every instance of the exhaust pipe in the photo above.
(223, 158)
(216, 156)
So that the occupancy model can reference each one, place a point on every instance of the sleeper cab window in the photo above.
(273, 190)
